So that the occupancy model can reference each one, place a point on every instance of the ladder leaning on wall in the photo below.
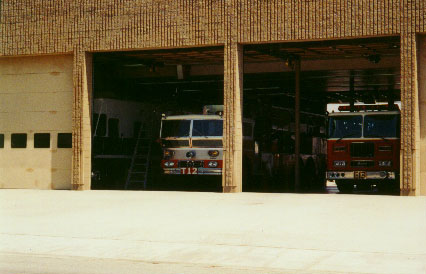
(139, 166)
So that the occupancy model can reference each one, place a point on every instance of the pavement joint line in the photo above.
(318, 261)
(220, 244)
(277, 270)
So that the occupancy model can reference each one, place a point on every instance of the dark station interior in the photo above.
(182, 81)
(172, 82)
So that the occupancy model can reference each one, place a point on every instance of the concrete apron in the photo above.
(269, 232)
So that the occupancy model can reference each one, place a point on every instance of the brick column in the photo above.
(81, 162)
(422, 111)
(410, 161)
(233, 114)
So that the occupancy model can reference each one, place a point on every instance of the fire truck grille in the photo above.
(362, 150)
(207, 143)
(362, 163)
(176, 143)
(191, 164)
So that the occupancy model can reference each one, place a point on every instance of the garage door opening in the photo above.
(293, 125)
(139, 94)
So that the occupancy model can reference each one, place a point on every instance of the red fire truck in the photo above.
(363, 147)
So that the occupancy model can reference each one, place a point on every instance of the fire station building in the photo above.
(58, 57)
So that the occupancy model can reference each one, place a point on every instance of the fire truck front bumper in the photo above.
(361, 175)
(193, 171)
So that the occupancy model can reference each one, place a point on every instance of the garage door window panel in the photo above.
(1, 140)
(64, 140)
(42, 140)
(19, 140)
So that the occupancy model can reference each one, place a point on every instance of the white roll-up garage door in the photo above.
(36, 122)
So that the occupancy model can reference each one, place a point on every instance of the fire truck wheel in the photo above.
(344, 187)
(390, 187)
(396, 189)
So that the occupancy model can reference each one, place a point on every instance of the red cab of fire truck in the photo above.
(363, 147)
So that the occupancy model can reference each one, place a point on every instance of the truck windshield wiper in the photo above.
(346, 136)
(199, 132)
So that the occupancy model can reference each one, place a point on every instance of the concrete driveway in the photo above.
(190, 232)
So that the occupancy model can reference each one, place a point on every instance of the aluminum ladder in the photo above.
(138, 171)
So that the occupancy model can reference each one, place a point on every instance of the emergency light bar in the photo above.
(213, 109)
(368, 107)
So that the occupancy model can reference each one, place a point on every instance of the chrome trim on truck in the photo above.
(200, 171)
(352, 175)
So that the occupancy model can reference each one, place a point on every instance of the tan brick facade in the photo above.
(55, 27)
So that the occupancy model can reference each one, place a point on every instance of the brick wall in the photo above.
(61, 26)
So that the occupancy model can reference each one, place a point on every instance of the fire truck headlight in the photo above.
(169, 164)
(190, 154)
(385, 163)
(213, 153)
(212, 164)
(339, 163)
(168, 153)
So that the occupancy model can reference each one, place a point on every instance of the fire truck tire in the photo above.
(345, 187)
(390, 187)
(396, 188)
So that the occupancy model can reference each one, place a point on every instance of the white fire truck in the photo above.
(193, 144)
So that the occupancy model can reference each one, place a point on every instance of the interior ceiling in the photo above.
(340, 86)
(365, 85)
(328, 86)
(334, 49)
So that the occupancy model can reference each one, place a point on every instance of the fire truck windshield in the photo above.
(175, 128)
(345, 126)
(204, 128)
(381, 125)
